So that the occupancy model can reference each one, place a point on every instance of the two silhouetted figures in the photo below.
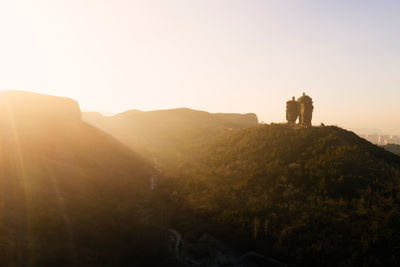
(302, 109)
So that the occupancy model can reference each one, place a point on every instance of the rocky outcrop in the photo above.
(292, 111)
(302, 109)
(305, 110)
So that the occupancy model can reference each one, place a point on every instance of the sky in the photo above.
(214, 55)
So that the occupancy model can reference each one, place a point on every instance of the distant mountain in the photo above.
(305, 196)
(69, 191)
(164, 134)
(392, 148)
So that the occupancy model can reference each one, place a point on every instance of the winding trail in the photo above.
(175, 236)
(178, 242)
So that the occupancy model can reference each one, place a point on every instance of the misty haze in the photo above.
(199, 133)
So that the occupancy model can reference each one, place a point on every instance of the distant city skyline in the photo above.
(217, 56)
(382, 139)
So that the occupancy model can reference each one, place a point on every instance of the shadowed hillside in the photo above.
(69, 191)
(165, 134)
(392, 148)
(306, 196)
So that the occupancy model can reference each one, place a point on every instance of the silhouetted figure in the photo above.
(305, 110)
(292, 111)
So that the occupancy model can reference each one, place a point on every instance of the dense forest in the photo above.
(305, 196)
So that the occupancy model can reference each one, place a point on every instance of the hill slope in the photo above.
(165, 134)
(307, 196)
(392, 148)
(68, 190)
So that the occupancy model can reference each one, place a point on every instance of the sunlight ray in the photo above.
(15, 151)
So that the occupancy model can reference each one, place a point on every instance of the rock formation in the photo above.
(292, 111)
(305, 110)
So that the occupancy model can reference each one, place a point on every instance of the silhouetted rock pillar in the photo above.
(292, 111)
(305, 110)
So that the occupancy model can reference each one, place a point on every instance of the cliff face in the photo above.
(22, 106)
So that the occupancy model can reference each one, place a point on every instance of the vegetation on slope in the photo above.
(164, 135)
(305, 196)
(69, 192)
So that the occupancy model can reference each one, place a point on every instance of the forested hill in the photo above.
(307, 196)
(165, 134)
(69, 192)
(314, 150)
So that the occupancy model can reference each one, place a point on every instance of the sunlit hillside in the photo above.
(163, 135)
(69, 192)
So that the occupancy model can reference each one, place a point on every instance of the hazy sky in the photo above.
(214, 55)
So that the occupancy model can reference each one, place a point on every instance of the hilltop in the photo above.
(69, 191)
(303, 195)
(166, 134)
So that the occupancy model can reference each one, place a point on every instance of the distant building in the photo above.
(381, 139)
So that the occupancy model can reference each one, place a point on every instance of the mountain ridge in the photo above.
(165, 134)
